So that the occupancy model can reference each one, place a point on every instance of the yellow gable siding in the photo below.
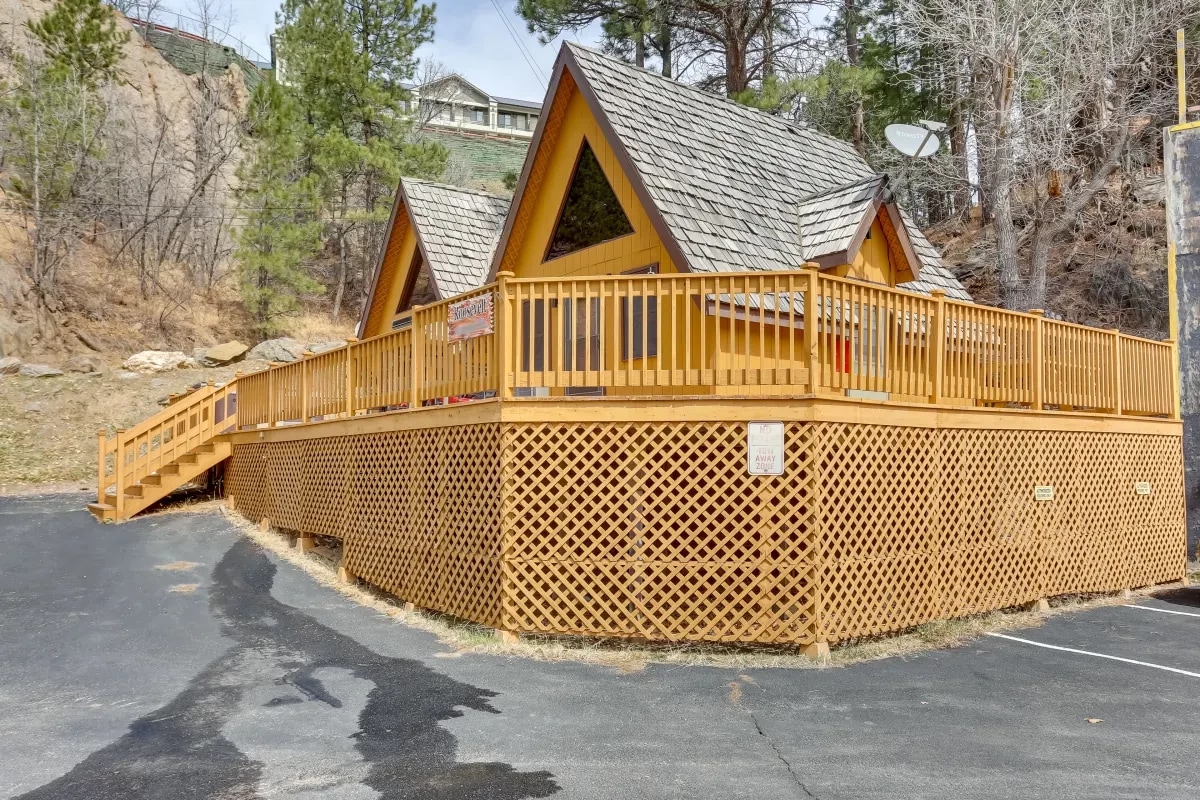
(393, 275)
(872, 262)
(639, 249)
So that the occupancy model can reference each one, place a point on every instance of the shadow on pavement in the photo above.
(188, 748)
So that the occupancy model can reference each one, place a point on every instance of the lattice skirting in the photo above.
(418, 512)
(655, 530)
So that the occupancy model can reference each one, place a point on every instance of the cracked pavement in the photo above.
(258, 683)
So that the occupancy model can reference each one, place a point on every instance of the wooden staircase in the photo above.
(140, 466)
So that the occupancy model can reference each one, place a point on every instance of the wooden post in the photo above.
(504, 337)
(812, 316)
(1176, 410)
(350, 342)
(1039, 358)
(418, 356)
(304, 387)
(937, 344)
(272, 410)
(101, 441)
(119, 476)
(1118, 391)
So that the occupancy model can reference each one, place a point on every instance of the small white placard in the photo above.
(764, 448)
(1043, 493)
(1142, 487)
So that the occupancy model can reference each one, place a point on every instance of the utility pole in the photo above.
(1181, 151)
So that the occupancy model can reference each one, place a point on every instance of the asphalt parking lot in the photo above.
(171, 658)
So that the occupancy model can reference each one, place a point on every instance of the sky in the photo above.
(470, 39)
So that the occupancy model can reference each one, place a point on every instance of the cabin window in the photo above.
(533, 335)
(639, 331)
(581, 333)
(591, 213)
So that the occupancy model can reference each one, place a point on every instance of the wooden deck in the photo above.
(581, 466)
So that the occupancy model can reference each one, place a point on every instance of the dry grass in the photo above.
(462, 637)
(48, 425)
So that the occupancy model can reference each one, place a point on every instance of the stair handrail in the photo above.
(159, 439)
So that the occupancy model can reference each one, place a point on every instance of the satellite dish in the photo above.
(913, 140)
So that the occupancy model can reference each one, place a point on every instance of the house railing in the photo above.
(189, 420)
(729, 334)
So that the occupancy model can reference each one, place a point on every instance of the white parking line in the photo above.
(1165, 611)
(1096, 655)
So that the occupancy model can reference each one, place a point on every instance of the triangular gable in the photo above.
(720, 182)
(391, 272)
(454, 88)
(833, 224)
(439, 243)
(568, 122)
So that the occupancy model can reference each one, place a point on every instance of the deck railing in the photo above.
(729, 334)
(189, 420)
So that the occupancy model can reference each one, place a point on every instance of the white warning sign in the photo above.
(764, 448)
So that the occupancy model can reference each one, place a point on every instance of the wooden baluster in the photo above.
(351, 354)
(937, 343)
(1118, 381)
(417, 361)
(1038, 367)
(810, 349)
(305, 384)
(119, 473)
(504, 336)
(101, 476)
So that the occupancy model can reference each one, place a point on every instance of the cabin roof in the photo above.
(728, 180)
(458, 230)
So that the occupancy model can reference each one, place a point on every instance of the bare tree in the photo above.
(1057, 92)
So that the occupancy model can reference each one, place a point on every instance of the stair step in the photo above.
(136, 490)
(102, 511)
(205, 448)
(169, 469)
(152, 480)
(187, 458)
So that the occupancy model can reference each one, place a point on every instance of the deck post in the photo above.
(271, 409)
(1176, 407)
(119, 476)
(1118, 400)
(937, 345)
(503, 336)
(418, 356)
(304, 384)
(811, 346)
(350, 342)
(101, 441)
(1039, 357)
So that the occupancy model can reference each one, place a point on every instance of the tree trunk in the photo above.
(639, 49)
(858, 126)
(341, 285)
(664, 49)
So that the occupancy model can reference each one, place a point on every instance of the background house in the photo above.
(453, 103)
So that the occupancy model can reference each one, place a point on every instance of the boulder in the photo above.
(9, 365)
(149, 361)
(224, 354)
(325, 347)
(39, 371)
(284, 350)
(83, 364)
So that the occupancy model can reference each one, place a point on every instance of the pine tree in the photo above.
(81, 38)
(281, 204)
(347, 62)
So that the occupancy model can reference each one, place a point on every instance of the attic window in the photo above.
(591, 214)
